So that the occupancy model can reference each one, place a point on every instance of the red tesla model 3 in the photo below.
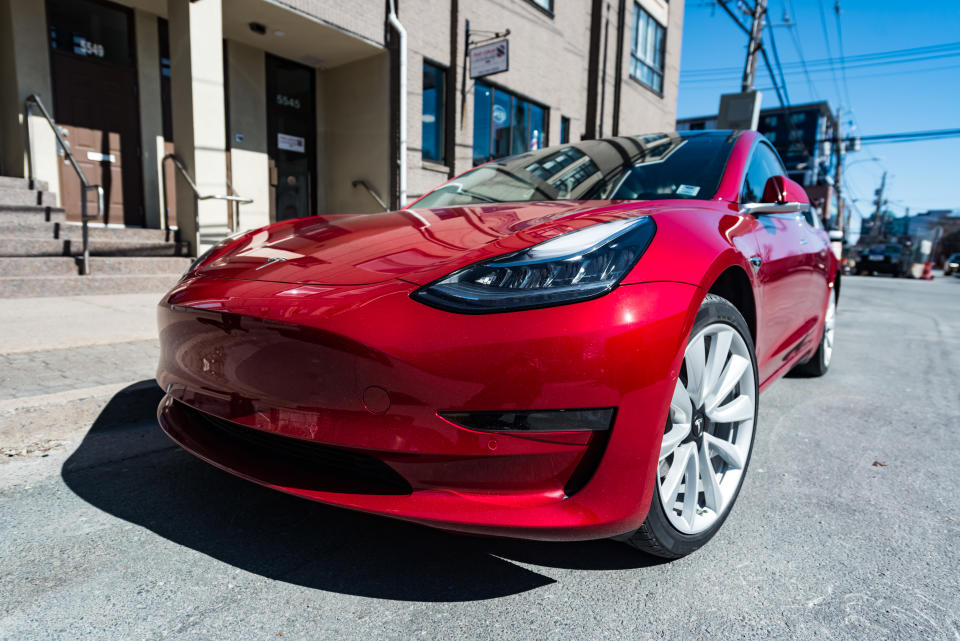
(562, 345)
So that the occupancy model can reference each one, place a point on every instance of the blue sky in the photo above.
(886, 98)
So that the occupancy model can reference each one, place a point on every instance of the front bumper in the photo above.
(332, 394)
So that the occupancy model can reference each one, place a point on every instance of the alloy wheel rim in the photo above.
(829, 322)
(709, 431)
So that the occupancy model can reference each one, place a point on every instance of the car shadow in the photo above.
(127, 467)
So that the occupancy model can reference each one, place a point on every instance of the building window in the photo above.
(432, 125)
(646, 50)
(564, 130)
(504, 124)
(546, 5)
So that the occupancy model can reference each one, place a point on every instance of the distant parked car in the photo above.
(952, 265)
(890, 258)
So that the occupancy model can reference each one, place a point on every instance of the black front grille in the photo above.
(291, 462)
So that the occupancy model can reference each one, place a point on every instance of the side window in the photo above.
(812, 217)
(763, 165)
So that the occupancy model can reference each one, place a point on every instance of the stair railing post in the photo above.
(85, 265)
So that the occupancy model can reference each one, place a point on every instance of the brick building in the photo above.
(296, 104)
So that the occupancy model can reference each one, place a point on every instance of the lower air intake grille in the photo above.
(291, 462)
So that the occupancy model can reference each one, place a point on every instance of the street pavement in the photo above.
(848, 525)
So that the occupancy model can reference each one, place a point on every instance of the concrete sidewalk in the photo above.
(61, 361)
(40, 324)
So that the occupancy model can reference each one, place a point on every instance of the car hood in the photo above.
(415, 245)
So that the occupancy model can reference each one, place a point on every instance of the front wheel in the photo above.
(708, 437)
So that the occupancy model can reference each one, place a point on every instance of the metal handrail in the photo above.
(239, 200)
(33, 99)
(371, 191)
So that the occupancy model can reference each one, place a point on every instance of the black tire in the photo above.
(819, 364)
(657, 536)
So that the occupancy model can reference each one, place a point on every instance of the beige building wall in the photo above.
(549, 58)
(248, 132)
(199, 125)
(642, 110)
(25, 70)
(151, 116)
(354, 135)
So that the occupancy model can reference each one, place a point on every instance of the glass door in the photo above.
(292, 136)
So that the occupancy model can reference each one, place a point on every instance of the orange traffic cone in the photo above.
(927, 272)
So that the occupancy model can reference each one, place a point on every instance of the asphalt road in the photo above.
(848, 527)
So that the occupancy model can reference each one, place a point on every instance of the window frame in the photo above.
(760, 142)
(564, 130)
(513, 95)
(440, 117)
(545, 10)
(635, 49)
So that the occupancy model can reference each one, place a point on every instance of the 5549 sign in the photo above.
(287, 101)
(491, 58)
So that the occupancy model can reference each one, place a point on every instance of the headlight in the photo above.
(575, 266)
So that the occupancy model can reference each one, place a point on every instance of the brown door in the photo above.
(97, 106)
(95, 99)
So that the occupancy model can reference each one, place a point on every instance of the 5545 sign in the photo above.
(491, 58)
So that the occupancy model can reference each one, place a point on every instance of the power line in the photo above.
(795, 34)
(776, 59)
(707, 85)
(910, 136)
(826, 39)
(830, 64)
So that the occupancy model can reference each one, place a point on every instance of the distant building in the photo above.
(801, 134)
(941, 227)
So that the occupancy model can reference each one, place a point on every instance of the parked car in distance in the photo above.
(952, 265)
(889, 258)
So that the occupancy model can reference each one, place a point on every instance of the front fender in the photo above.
(695, 246)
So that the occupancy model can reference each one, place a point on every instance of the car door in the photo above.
(820, 261)
(786, 311)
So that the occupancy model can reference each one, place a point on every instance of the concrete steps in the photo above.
(39, 250)
(11, 196)
(102, 265)
(21, 247)
(10, 182)
(58, 229)
(74, 285)
(13, 216)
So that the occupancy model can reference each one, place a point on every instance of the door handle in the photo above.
(755, 262)
(803, 241)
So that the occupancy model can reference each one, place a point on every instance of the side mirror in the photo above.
(780, 196)
(835, 234)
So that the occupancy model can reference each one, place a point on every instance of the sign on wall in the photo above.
(291, 143)
(489, 59)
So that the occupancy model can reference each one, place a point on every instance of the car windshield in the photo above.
(649, 167)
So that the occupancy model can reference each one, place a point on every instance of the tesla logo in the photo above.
(270, 261)
(698, 427)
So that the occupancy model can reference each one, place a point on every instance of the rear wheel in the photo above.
(708, 437)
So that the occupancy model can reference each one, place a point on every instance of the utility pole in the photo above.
(877, 228)
(838, 172)
(742, 110)
(756, 33)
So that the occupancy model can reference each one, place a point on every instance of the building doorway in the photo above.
(291, 137)
(95, 103)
